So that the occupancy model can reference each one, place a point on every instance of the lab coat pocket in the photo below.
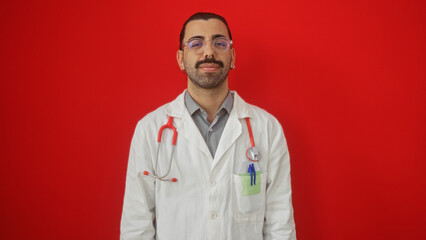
(248, 197)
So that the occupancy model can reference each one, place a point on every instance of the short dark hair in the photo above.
(202, 16)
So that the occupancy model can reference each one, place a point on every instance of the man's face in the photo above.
(207, 69)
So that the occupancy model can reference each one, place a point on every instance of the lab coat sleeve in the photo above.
(279, 222)
(139, 200)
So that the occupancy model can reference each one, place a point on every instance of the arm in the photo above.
(279, 221)
(139, 200)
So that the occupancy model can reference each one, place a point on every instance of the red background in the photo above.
(345, 78)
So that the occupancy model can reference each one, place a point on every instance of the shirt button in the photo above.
(212, 182)
(210, 129)
(213, 215)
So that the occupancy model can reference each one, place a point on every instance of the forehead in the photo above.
(205, 28)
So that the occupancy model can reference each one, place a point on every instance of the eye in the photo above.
(196, 43)
(221, 43)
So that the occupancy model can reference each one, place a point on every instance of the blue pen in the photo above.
(252, 172)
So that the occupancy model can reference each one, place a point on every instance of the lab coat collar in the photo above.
(177, 107)
(186, 126)
(241, 108)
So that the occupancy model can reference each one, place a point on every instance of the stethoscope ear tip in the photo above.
(146, 173)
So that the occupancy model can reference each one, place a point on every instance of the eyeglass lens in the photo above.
(218, 44)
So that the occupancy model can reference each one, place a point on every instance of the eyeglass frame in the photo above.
(205, 43)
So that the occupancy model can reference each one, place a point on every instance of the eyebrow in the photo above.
(202, 37)
(218, 36)
(196, 37)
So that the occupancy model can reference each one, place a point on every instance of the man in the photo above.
(228, 174)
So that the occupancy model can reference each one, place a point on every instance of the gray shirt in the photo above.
(210, 132)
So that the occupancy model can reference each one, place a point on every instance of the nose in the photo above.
(208, 50)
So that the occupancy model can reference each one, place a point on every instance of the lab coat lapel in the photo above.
(193, 135)
(187, 128)
(230, 133)
(233, 127)
(185, 125)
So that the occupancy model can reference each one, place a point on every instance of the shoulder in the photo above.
(152, 117)
(159, 116)
(264, 118)
(261, 113)
(152, 120)
(256, 114)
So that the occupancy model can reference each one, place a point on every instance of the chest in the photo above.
(192, 163)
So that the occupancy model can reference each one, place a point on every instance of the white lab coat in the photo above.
(206, 202)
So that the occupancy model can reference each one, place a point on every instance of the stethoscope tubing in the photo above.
(162, 178)
(169, 124)
(170, 162)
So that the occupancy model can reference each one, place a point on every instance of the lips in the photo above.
(209, 67)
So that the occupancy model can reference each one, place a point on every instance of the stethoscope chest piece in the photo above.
(253, 154)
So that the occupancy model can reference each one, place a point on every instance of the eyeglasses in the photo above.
(219, 45)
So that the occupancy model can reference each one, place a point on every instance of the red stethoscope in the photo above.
(252, 153)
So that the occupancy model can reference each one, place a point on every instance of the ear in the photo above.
(179, 58)
(233, 58)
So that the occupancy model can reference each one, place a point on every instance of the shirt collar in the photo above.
(193, 106)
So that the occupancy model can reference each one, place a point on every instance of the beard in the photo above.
(207, 80)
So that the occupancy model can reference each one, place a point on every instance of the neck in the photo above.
(209, 99)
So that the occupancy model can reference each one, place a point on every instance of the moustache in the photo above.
(209, 60)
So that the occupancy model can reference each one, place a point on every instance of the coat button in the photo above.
(213, 215)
